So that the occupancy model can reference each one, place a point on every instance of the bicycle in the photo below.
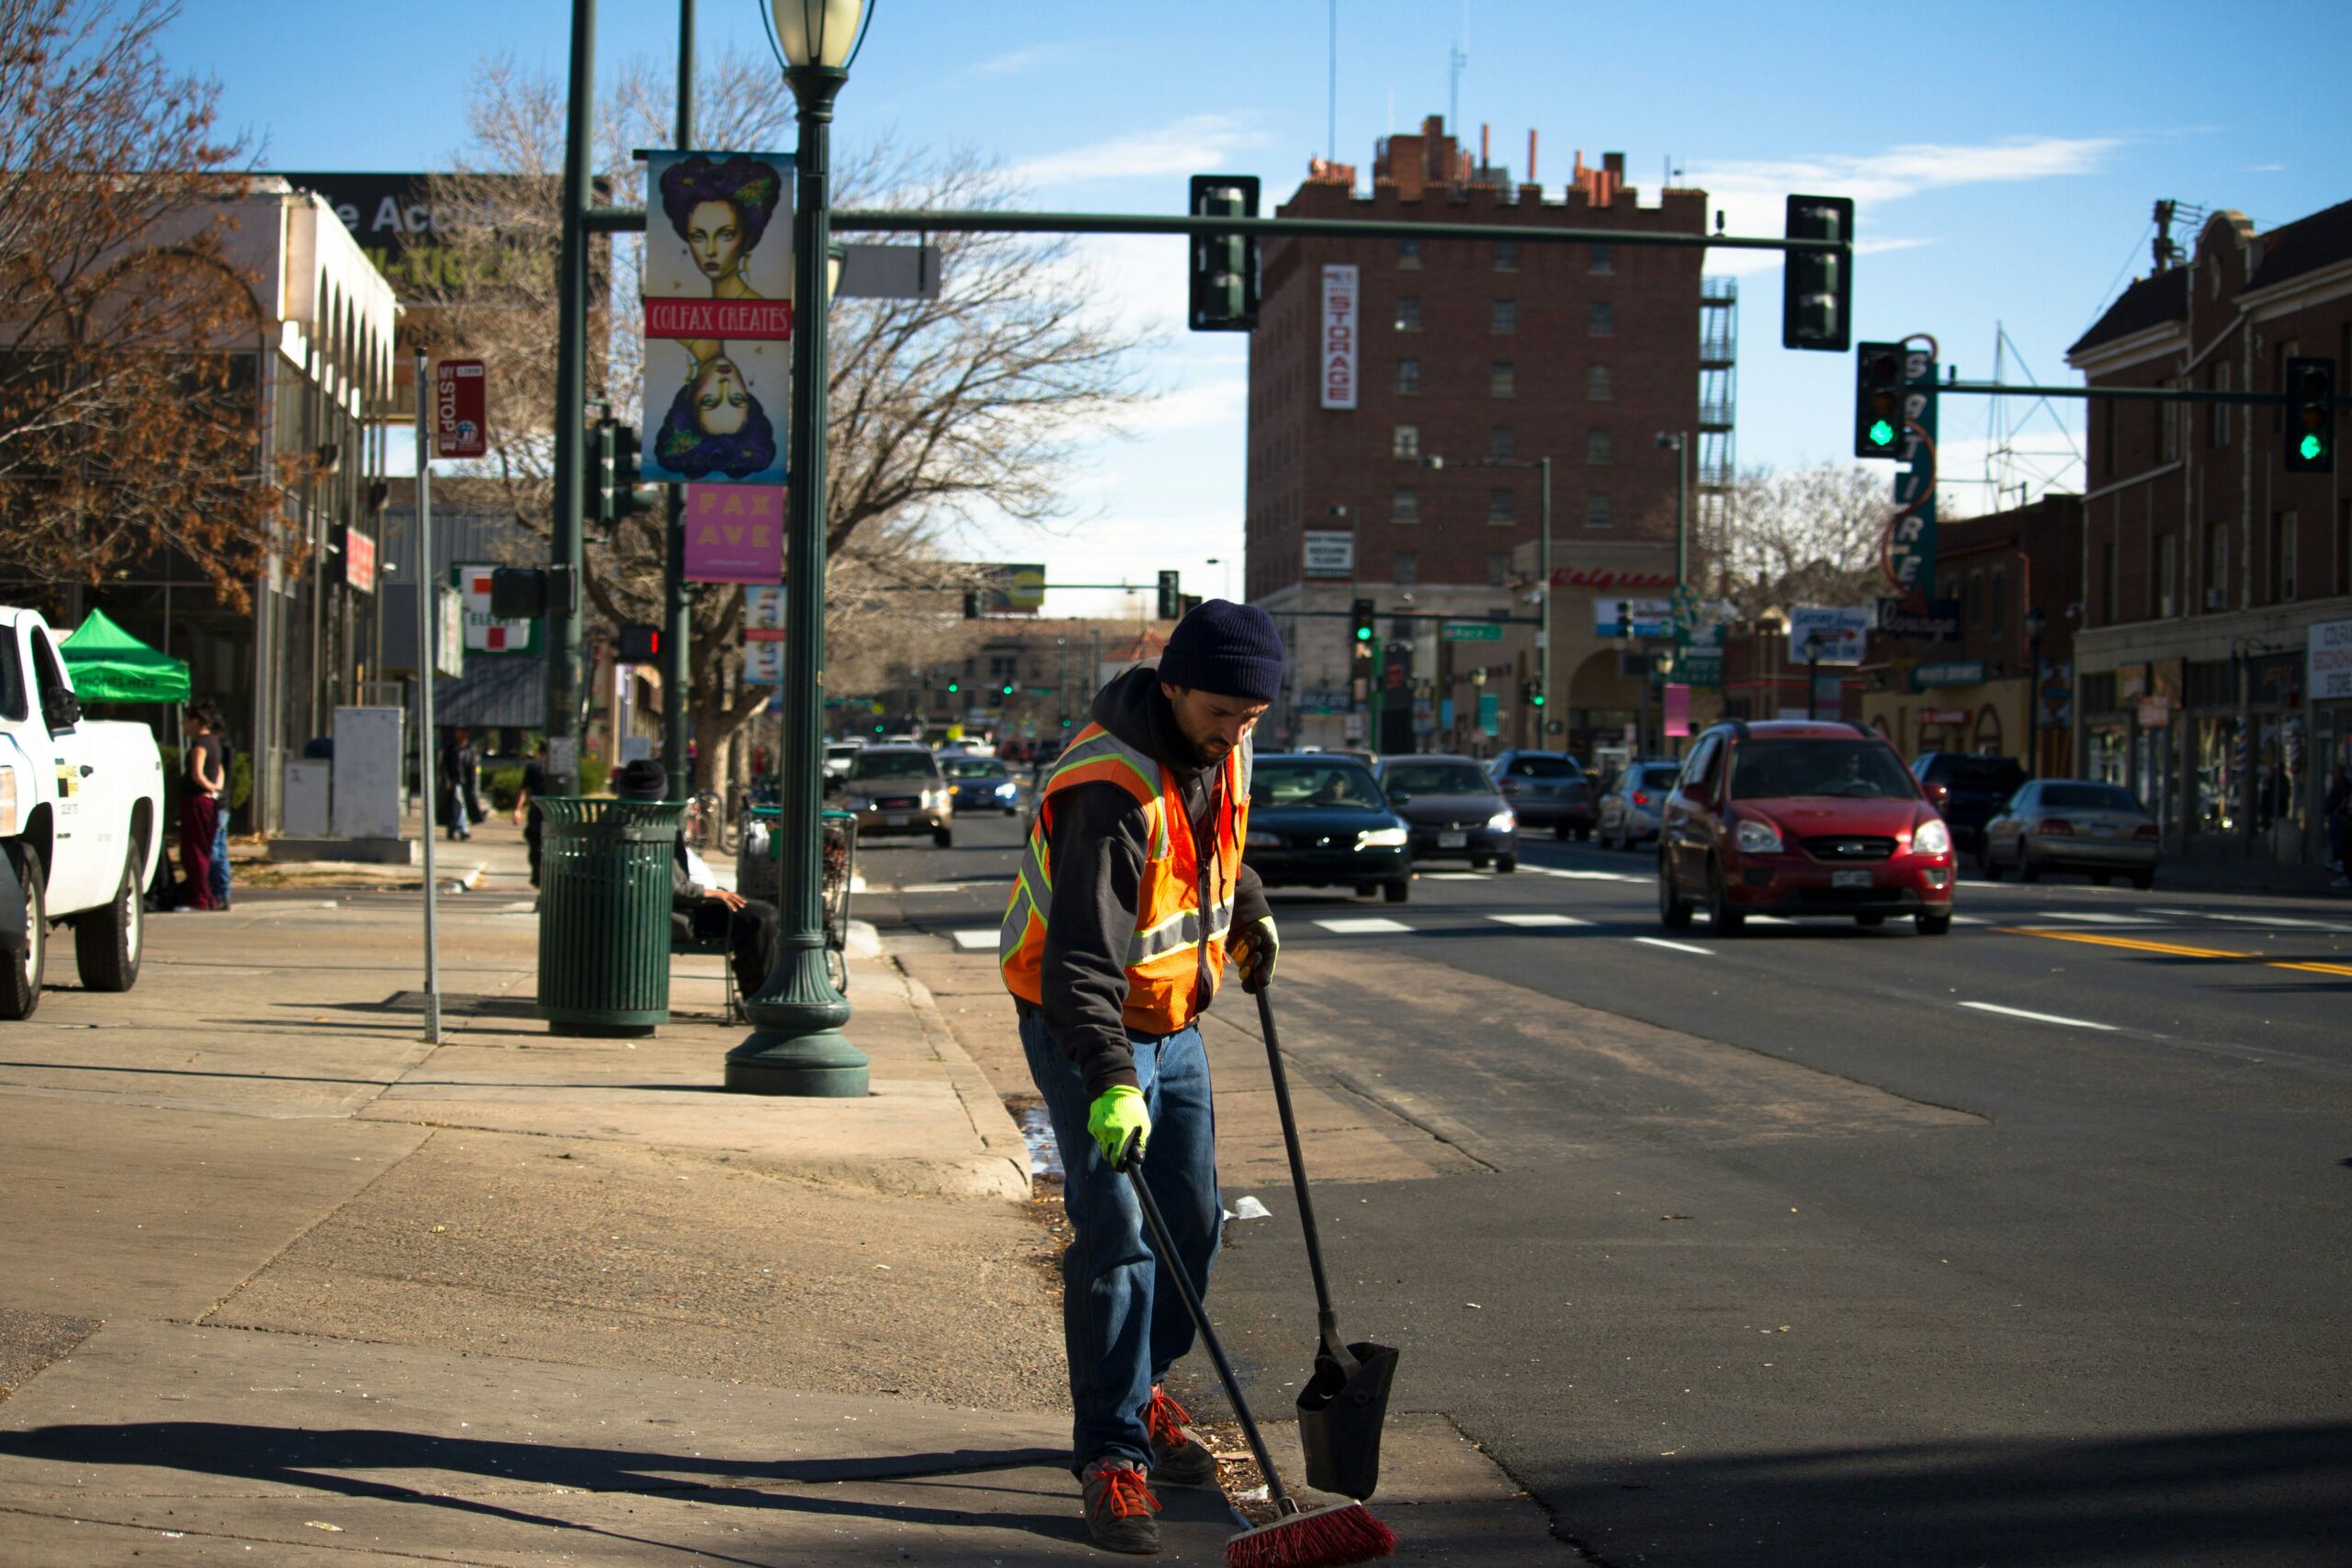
(703, 820)
(839, 871)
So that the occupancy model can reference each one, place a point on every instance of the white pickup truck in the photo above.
(81, 816)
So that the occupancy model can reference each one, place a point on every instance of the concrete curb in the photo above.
(1000, 1136)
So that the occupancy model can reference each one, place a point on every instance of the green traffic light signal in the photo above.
(1882, 433)
(2310, 446)
(1008, 691)
(953, 688)
(1363, 634)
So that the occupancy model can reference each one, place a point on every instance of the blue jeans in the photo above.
(220, 859)
(1121, 1332)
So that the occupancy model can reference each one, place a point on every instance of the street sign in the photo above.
(1471, 631)
(1911, 554)
(1702, 668)
(1330, 553)
(1843, 632)
(1939, 622)
(1948, 672)
(460, 409)
(2328, 678)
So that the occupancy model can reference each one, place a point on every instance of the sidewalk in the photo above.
(284, 1281)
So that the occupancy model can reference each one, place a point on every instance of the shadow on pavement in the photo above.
(2269, 1494)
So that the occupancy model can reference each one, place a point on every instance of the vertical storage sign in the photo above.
(1341, 343)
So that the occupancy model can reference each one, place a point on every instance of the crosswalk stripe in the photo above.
(2039, 1017)
(1453, 876)
(1675, 946)
(2092, 917)
(1362, 925)
(975, 939)
(1538, 920)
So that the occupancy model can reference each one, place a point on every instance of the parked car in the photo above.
(2072, 825)
(1976, 786)
(81, 821)
(1320, 820)
(837, 757)
(1453, 809)
(980, 783)
(1631, 807)
(1546, 789)
(1796, 817)
(899, 789)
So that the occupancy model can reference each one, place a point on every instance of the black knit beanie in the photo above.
(643, 779)
(1230, 649)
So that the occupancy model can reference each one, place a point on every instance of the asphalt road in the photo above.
(2027, 1244)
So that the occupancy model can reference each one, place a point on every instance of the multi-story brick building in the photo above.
(2212, 573)
(1489, 356)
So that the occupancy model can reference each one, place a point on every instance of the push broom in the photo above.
(1317, 1538)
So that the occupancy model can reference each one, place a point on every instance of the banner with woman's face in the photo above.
(718, 317)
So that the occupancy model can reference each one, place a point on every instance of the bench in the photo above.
(681, 946)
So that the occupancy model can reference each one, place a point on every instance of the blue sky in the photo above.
(2005, 177)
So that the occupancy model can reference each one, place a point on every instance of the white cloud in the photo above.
(1182, 147)
(1014, 62)
(1750, 192)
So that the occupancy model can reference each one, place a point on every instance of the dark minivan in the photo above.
(1976, 786)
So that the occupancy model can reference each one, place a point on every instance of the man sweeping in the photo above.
(1131, 894)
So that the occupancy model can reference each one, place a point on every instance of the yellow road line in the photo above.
(2173, 949)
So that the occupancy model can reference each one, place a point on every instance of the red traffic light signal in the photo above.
(640, 645)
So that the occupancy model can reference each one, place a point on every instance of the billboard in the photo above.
(718, 317)
(484, 633)
(1340, 344)
(1844, 633)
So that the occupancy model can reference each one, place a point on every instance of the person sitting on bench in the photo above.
(701, 910)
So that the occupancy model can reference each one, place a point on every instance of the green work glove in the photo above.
(1117, 1115)
(1255, 947)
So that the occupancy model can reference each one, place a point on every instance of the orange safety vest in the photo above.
(1164, 991)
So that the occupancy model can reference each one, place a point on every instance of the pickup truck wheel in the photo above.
(109, 943)
(20, 981)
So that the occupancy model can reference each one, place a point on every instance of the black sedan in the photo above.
(1546, 789)
(1453, 810)
(1319, 820)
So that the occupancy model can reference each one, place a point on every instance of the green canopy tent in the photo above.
(109, 665)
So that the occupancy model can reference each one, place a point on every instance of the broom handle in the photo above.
(1326, 1319)
(1173, 1272)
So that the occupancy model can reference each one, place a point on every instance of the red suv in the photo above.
(1802, 818)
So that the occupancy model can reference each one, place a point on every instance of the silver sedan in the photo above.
(2072, 825)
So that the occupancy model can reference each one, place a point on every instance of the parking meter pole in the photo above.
(677, 596)
(425, 627)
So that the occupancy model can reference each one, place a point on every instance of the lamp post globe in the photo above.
(796, 1046)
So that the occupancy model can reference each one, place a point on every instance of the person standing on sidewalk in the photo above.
(201, 785)
(460, 782)
(1131, 894)
(225, 759)
(527, 814)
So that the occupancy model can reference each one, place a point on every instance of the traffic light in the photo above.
(1171, 596)
(1006, 690)
(640, 645)
(1624, 618)
(614, 487)
(518, 594)
(1224, 266)
(1534, 691)
(954, 687)
(1360, 612)
(599, 486)
(1878, 400)
(2311, 416)
(1817, 287)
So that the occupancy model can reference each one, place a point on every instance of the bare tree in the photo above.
(1802, 537)
(130, 347)
(971, 403)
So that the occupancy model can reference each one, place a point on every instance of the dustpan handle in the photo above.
(1173, 1272)
(1325, 1317)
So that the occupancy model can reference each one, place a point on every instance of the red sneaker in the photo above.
(1176, 1459)
(1119, 1507)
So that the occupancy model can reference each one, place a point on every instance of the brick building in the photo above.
(1490, 356)
(2210, 571)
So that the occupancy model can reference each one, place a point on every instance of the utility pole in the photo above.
(677, 596)
(564, 547)
(1543, 573)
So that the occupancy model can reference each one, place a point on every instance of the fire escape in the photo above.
(1718, 405)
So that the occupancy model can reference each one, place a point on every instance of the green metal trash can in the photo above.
(604, 914)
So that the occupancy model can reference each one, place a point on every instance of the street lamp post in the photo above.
(2037, 621)
(1811, 676)
(796, 1045)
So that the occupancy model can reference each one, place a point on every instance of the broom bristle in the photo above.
(1325, 1538)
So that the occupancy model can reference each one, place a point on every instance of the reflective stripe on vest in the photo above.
(1163, 974)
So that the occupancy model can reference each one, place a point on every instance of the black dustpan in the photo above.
(1343, 1404)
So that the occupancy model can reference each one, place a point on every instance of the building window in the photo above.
(2217, 429)
(1406, 442)
(1499, 506)
(1598, 387)
(2168, 575)
(1405, 504)
(1506, 256)
(1409, 252)
(1601, 319)
(2168, 431)
(1408, 375)
(1502, 444)
(2109, 585)
(1603, 259)
(1597, 446)
(2217, 566)
(2282, 557)
(1596, 509)
(1997, 610)
(1408, 313)
(1972, 599)
(1498, 568)
(1405, 568)
(1506, 316)
(1502, 379)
